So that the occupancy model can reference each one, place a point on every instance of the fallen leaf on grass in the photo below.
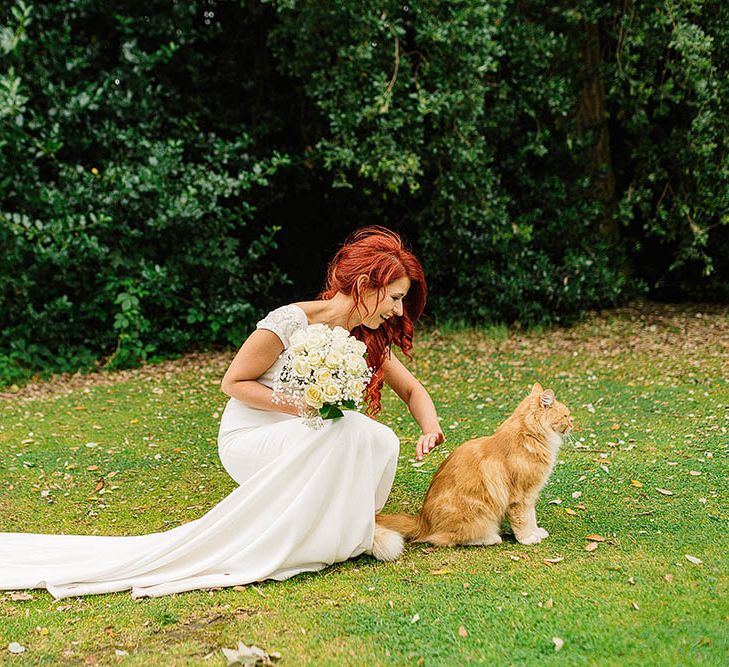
(549, 604)
(552, 561)
(19, 595)
(636, 483)
(14, 647)
(119, 652)
(570, 511)
(635, 606)
(463, 632)
(664, 492)
(595, 538)
(556, 501)
(668, 578)
(249, 655)
(591, 546)
(415, 618)
(442, 570)
(558, 643)
(695, 473)
(694, 560)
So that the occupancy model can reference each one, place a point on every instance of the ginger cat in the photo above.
(488, 479)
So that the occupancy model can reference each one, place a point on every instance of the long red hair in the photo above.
(381, 255)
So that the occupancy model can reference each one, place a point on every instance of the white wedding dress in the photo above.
(307, 498)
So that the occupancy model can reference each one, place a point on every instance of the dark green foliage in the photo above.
(543, 158)
(127, 199)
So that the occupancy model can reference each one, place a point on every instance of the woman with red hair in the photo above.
(306, 497)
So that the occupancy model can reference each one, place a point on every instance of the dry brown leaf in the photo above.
(664, 492)
(553, 561)
(595, 538)
(694, 560)
(591, 546)
(442, 570)
(570, 511)
(636, 483)
(16, 596)
(463, 632)
(549, 603)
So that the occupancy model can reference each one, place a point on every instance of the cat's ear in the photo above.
(546, 400)
(537, 388)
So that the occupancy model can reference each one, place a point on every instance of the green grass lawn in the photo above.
(135, 452)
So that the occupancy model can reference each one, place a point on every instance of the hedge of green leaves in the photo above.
(164, 167)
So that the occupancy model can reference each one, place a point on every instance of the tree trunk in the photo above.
(593, 117)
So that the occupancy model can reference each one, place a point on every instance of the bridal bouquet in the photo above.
(324, 370)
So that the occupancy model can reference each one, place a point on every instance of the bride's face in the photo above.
(390, 302)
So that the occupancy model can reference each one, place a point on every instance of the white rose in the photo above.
(332, 393)
(341, 345)
(355, 364)
(314, 358)
(314, 396)
(333, 359)
(316, 337)
(322, 376)
(297, 342)
(301, 367)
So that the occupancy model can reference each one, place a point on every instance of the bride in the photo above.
(306, 498)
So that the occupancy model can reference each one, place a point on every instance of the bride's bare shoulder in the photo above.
(310, 308)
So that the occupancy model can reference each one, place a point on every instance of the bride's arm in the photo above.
(255, 357)
(418, 400)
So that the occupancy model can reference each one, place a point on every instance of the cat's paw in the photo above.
(532, 538)
(542, 533)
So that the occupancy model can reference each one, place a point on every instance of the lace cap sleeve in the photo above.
(283, 322)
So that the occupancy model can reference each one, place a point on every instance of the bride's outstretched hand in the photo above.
(426, 442)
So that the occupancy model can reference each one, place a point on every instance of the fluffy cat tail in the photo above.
(408, 525)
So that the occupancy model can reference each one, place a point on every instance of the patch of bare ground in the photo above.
(63, 384)
(668, 331)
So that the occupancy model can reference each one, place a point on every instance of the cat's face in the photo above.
(545, 409)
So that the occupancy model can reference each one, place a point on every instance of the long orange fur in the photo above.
(489, 479)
